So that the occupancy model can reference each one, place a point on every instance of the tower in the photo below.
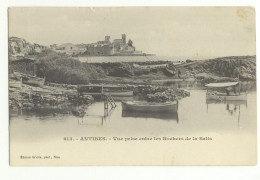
(124, 38)
(107, 38)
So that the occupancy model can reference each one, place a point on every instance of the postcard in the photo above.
(132, 86)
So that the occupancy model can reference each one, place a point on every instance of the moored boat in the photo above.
(78, 113)
(15, 84)
(169, 72)
(229, 96)
(241, 97)
(120, 93)
(140, 106)
(34, 81)
(236, 102)
(30, 80)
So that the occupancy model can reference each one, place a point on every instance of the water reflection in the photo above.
(155, 115)
(232, 107)
(43, 111)
(195, 115)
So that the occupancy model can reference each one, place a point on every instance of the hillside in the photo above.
(20, 47)
(242, 67)
(62, 68)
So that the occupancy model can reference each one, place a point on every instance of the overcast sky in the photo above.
(165, 31)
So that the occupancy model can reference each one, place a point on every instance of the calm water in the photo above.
(194, 116)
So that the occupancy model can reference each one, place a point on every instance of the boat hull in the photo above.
(15, 84)
(34, 81)
(169, 72)
(120, 93)
(150, 107)
(242, 97)
(236, 102)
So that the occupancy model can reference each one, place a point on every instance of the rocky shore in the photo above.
(29, 97)
(51, 94)
(159, 94)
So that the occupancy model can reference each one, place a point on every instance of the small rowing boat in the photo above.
(34, 81)
(120, 93)
(237, 102)
(30, 80)
(229, 96)
(78, 113)
(241, 97)
(169, 72)
(15, 84)
(140, 106)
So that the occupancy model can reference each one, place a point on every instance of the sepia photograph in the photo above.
(132, 86)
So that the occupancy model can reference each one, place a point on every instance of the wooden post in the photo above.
(239, 87)
(105, 102)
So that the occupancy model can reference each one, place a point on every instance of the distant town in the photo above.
(100, 48)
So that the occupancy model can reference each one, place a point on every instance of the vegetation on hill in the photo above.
(64, 69)
(119, 69)
(59, 68)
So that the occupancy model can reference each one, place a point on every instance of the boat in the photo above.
(15, 81)
(222, 96)
(78, 113)
(119, 93)
(169, 72)
(237, 102)
(15, 84)
(33, 80)
(115, 91)
(30, 79)
(241, 97)
(141, 106)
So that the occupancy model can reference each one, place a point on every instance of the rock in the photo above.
(20, 47)
(160, 94)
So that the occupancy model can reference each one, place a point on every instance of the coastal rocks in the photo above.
(160, 94)
(20, 47)
(219, 69)
(29, 97)
(157, 97)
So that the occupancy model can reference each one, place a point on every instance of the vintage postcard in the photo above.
(152, 86)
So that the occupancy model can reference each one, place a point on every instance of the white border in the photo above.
(105, 173)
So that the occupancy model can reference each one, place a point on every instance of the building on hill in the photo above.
(99, 48)
(69, 48)
(117, 47)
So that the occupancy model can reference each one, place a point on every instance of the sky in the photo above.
(164, 31)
